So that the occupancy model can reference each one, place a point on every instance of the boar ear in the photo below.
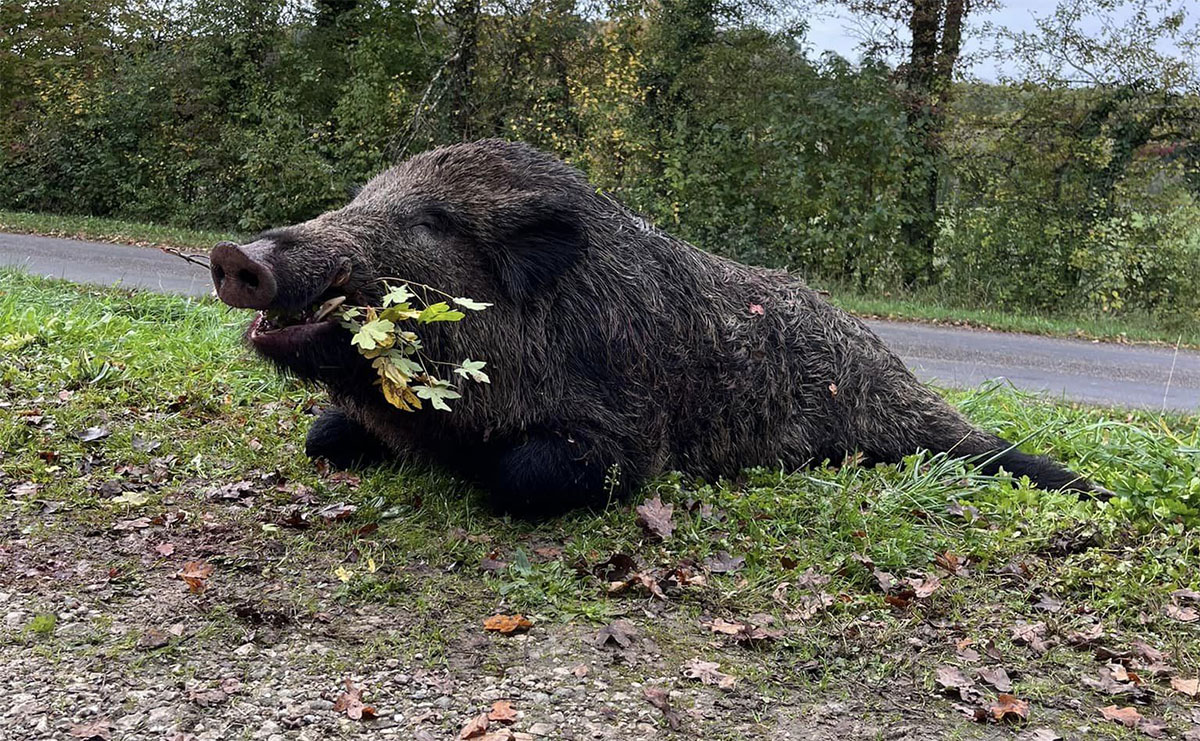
(537, 243)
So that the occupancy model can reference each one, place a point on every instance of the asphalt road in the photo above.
(1116, 375)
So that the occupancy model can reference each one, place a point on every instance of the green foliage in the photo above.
(397, 354)
(709, 116)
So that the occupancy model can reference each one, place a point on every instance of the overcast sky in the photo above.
(836, 30)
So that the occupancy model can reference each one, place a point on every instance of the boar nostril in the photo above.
(241, 275)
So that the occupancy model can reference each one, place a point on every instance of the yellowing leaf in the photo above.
(343, 573)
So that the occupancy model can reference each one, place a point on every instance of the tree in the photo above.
(931, 50)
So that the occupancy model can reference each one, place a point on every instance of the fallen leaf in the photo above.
(502, 712)
(811, 579)
(153, 638)
(138, 523)
(350, 702)
(1039, 734)
(708, 672)
(954, 681)
(952, 563)
(475, 728)
(1048, 604)
(1182, 614)
(1148, 652)
(233, 491)
(616, 568)
(507, 624)
(723, 563)
(142, 445)
(997, 677)
(751, 630)
(96, 730)
(1031, 634)
(924, 587)
(659, 698)
(1186, 595)
(1128, 717)
(620, 632)
(1088, 636)
(164, 549)
(655, 517)
(1009, 707)
(92, 434)
(1189, 687)
(1152, 727)
(194, 573)
(338, 511)
(810, 605)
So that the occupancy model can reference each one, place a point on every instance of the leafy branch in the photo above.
(397, 354)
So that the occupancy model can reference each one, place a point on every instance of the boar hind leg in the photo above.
(549, 473)
(343, 442)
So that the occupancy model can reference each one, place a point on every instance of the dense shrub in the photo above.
(244, 115)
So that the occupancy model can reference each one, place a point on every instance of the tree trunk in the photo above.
(464, 18)
(936, 29)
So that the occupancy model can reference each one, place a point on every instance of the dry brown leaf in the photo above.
(164, 549)
(502, 712)
(475, 728)
(507, 624)
(1009, 707)
(655, 517)
(660, 699)
(1189, 687)
(952, 563)
(1182, 614)
(620, 632)
(708, 672)
(194, 574)
(351, 703)
(723, 563)
(1039, 734)
(996, 677)
(953, 681)
(1031, 634)
(925, 587)
(1128, 717)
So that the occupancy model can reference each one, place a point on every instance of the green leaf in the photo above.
(395, 296)
(473, 369)
(471, 304)
(439, 312)
(374, 334)
(436, 393)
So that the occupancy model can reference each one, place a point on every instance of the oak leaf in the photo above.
(351, 703)
(194, 574)
(655, 517)
(507, 624)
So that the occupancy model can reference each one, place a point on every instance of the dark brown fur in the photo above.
(612, 346)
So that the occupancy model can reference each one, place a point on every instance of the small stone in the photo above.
(541, 729)
(246, 649)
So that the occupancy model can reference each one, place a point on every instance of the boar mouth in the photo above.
(279, 332)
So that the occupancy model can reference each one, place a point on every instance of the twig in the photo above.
(193, 259)
(1170, 375)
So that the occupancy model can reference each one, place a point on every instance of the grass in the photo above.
(185, 410)
(917, 307)
(1127, 327)
(109, 230)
